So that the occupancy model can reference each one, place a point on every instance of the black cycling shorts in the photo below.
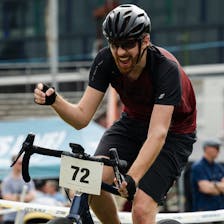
(128, 135)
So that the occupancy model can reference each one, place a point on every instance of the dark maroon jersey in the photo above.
(162, 81)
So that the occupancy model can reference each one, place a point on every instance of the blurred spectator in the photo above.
(13, 186)
(41, 198)
(39, 184)
(45, 195)
(52, 190)
(207, 179)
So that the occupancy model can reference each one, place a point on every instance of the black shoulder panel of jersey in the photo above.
(100, 72)
(166, 78)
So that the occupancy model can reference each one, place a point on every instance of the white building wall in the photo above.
(210, 105)
(213, 106)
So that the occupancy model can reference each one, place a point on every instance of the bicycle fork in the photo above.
(79, 210)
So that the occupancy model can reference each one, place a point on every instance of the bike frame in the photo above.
(79, 210)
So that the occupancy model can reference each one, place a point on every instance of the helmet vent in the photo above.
(136, 29)
(125, 23)
(140, 15)
(127, 13)
(109, 23)
(116, 22)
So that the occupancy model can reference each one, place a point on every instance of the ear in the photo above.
(146, 41)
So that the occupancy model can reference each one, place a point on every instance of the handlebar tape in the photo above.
(38, 150)
(47, 152)
(25, 167)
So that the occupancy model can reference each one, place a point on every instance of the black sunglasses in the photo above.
(125, 44)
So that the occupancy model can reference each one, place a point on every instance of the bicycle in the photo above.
(77, 171)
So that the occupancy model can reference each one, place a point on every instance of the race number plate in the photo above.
(81, 175)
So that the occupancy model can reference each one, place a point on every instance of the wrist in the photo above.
(217, 187)
(131, 186)
(49, 99)
(134, 176)
(132, 179)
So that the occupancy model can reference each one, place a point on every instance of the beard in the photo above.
(126, 64)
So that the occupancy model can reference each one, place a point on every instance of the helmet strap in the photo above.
(139, 50)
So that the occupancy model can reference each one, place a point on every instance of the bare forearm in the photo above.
(77, 115)
(158, 128)
(146, 157)
(211, 187)
(70, 113)
(11, 197)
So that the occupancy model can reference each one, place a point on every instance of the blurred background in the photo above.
(41, 38)
(55, 41)
(188, 30)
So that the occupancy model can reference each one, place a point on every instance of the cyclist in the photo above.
(157, 127)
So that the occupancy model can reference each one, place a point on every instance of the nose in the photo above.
(120, 51)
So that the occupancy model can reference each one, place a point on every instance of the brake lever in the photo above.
(118, 175)
(19, 154)
(26, 145)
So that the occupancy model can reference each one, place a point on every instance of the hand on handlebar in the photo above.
(44, 95)
(127, 188)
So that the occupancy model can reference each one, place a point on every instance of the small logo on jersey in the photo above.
(161, 96)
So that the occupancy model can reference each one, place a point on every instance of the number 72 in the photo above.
(85, 173)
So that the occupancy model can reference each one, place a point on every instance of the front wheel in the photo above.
(168, 221)
(61, 221)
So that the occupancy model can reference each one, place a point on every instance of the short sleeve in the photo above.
(168, 84)
(99, 76)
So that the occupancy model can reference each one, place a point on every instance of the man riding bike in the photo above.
(157, 127)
